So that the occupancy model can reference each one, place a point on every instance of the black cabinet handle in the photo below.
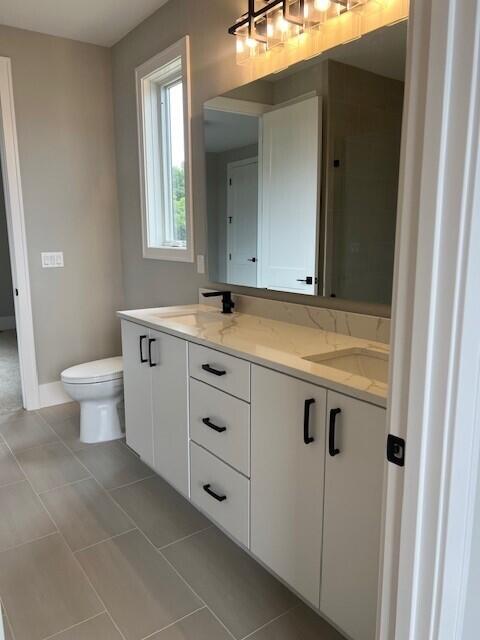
(331, 432)
(306, 421)
(150, 361)
(209, 423)
(206, 488)
(216, 372)
(141, 340)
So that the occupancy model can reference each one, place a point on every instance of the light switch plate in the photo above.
(52, 259)
(200, 264)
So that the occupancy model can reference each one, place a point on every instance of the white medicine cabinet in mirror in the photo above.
(302, 173)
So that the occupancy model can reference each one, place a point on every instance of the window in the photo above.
(163, 104)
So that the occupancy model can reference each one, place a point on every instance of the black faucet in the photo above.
(227, 302)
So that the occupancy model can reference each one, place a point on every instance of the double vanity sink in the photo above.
(348, 364)
(276, 432)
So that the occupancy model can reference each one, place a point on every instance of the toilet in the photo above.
(98, 387)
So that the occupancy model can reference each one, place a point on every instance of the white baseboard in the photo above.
(53, 393)
(7, 322)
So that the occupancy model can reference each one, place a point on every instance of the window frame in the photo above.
(152, 78)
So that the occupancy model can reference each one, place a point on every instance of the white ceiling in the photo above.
(224, 131)
(101, 22)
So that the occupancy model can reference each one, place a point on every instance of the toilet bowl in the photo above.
(98, 387)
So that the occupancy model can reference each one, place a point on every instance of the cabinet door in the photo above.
(287, 478)
(353, 516)
(137, 389)
(170, 409)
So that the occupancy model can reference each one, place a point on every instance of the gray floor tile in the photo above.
(99, 628)
(85, 513)
(50, 466)
(44, 590)
(60, 412)
(299, 624)
(27, 430)
(69, 432)
(239, 591)
(199, 626)
(113, 465)
(9, 469)
(140, 590)
(23, 517)
(160, 511)
(13, 415)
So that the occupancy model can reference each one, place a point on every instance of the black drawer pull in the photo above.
(306, 421)
(216, 372)
(141, 340)
(206, 488)
(209, 423)
(150, 361)
(331, 432)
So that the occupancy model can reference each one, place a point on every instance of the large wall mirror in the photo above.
(302, 173)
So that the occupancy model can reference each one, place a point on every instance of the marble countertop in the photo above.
(279, 345)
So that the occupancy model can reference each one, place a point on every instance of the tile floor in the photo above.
(10, 386)
(94, 546)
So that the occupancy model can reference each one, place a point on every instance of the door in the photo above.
(288, 241)
(137, 389)
(242, 222)
(287, 469)
(170, 409)
(353, 514)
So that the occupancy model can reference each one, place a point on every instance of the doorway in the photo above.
(10, 383)
(242, 222)
(17, 242)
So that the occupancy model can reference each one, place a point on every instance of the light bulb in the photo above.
(269, 29)
(305, 11)
(282, 24)
(240, 47)
(322, 5)
(251, 43)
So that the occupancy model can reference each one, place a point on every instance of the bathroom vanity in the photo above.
(276, 432)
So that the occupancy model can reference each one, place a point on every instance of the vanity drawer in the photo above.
(228, 502)
(221, 424)
(220, 370)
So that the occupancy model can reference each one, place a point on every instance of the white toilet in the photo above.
(98, 387)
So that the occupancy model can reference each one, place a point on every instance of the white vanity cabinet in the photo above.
(352, 514)
(317, 468)
(156, 400)
(288, 457)
(291, 470)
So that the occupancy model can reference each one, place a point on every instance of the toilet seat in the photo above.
(104, 370)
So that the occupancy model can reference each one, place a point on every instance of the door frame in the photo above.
(435, 371)
(233, 165)
(17, 239)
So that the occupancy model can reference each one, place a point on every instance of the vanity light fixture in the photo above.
(281, 22)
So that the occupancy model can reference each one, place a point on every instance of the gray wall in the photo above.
(6, 295)
(365, 125)
(214, 72)
(63, 101)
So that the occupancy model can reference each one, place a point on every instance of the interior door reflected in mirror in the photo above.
(302, 173)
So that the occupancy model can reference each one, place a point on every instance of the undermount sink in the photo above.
(367, 363)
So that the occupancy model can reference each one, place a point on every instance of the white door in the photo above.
(287, 472)
(170, 409)
(242, 222)
(290, 196)
(353, 514)
(137, 389)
